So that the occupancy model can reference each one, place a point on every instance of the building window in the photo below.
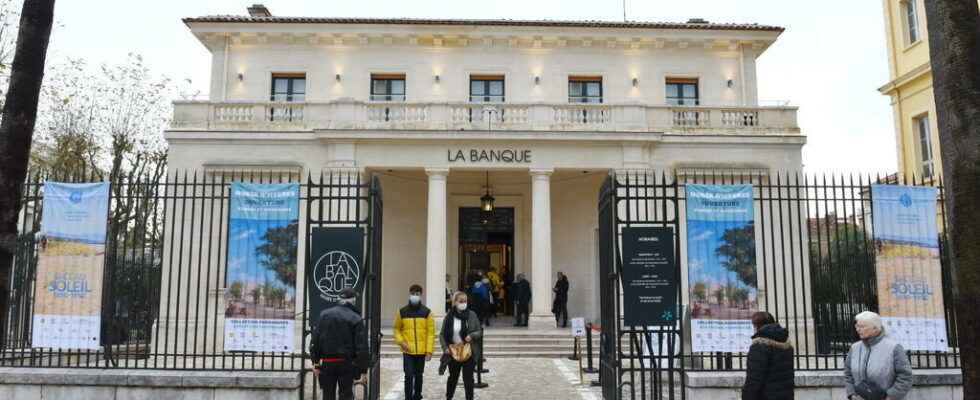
(387, 87)
(911, 20)
(925, 146)
(288, 87)
(683, 92)
(487, 89)
(585, 89)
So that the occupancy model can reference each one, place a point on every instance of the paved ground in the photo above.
(519, 378)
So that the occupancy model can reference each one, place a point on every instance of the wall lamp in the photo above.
(437, 78)
(337, 77)
(537, 79)
(731, 83)
(636, 82)
(241, 76)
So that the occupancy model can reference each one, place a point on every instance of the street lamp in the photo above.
(486, 202)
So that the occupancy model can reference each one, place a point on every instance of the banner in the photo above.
(649, 276)
(336, 263)
(261, 270)
(721, 266)
(68, 294)
(909, 274)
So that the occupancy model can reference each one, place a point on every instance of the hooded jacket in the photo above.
(770, 366)
(415, 330)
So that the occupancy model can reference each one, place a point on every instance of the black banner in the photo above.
(649, 276)
(336, 263)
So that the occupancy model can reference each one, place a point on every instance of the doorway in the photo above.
(486, 245)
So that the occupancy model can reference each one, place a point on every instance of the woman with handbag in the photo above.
(461, 331)
(876, 367)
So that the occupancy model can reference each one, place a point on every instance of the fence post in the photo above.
(588, 349)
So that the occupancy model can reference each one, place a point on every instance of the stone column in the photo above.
(541, 248)
(435, 246)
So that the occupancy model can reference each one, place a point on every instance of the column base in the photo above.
(541, 322)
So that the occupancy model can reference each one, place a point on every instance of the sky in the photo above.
(829, 62)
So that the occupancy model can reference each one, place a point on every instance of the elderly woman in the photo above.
(876, 367)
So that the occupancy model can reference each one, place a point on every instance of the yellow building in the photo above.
(910, 89)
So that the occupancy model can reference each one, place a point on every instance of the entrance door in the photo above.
(486, 245)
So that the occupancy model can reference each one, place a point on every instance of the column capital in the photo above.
(437, 172)
(541, 172)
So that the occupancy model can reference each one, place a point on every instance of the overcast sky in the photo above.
(829, 62)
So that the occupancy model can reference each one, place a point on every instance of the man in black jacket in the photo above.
(339, 348)
(770, 361)
(521, 292)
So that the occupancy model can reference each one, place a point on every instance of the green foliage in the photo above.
(278, 252)
(739, 253)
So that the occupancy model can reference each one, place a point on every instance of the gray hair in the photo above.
(869, 318)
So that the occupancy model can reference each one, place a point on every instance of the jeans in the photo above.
(454, 370)
(338, 377)
(414, 367)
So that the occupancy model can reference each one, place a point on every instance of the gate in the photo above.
(636, 362)
(345, 200)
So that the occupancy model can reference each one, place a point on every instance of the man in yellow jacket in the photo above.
(415, 333)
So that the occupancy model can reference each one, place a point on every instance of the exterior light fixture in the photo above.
(486, 202)
(337, 77)
(731, 83)
(636, 82)
(537, 80)
(241, 76)
(437, 78)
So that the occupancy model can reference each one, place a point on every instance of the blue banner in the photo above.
(261, 272)
(721, 266)
(68, 294)
(907, 214)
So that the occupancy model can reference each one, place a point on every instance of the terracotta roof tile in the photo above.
(484, 22)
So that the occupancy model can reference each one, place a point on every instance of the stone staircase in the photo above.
(513, 343)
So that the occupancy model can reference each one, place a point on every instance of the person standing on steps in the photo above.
(415, 333)
(560, 306)
(522, 300)
(461, 329)
(339, 348)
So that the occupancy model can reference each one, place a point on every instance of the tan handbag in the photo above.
(461, 352)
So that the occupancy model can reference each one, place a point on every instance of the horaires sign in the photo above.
(493, 155)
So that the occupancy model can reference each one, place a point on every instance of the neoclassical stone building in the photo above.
(537, 113)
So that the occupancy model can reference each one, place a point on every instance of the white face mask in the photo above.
(461, 306)
(414, 299)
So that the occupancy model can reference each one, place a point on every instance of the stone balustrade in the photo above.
(355, 115)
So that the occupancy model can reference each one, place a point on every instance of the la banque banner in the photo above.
(261, 270)
(909, 273)
(71, 258)
(721, 266)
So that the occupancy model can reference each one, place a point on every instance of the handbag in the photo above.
(461, 352)
(868, 390)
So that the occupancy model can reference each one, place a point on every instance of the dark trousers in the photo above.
(454, 369)
(561, 313)
(414, 367)
(337, 377)
(522, 314)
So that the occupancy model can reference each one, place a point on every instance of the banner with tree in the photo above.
(261, 270)
(721, 266)
(910, 294)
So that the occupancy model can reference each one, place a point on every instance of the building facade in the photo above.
(910, 89)
(535, 113)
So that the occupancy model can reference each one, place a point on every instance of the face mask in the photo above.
(415, 299)
(461, 306)
(486, 281)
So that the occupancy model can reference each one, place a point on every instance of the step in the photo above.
(508, 354)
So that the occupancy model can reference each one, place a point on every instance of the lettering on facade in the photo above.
(501, 156)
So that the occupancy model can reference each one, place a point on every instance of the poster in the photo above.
(721, 262)
(578, 327)
(261, 271)
(909, 274)
(71, 255)
(649, 276)
(336, 263)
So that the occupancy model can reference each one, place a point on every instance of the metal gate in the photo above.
(345, 199)
(636, 362)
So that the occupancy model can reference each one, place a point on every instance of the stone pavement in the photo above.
(509, 378)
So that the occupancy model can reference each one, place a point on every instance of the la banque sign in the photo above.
(512, 156)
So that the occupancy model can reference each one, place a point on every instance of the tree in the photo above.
(278, 252)
(954, 48)
(236, 290)
(739, 252)
(17, 130)
(9, 15)
(700, 292)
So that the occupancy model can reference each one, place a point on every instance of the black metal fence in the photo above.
(815, 263)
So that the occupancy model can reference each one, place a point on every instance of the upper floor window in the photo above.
(288, 87)
(924, 133)
(487, 88)
(683, 92)
(388, 87)
(911, 20)
(585, 89)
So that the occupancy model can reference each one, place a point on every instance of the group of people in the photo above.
(875, 368)
(489, 295)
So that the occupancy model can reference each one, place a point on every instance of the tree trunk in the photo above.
(954, 41)
(16, 132)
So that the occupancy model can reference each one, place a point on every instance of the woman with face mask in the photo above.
(415, 332)
(461, 326)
